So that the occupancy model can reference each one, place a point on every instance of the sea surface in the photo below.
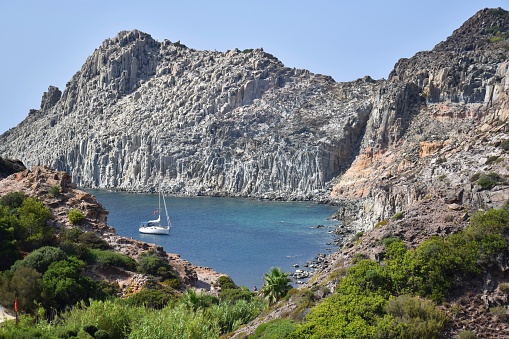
(242, 238)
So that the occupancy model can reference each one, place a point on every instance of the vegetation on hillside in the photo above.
(394, 298)
(44, 268)
(397, 297)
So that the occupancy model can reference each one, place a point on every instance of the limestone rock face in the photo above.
(141, 113)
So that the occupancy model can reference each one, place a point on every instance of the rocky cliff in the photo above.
(141, 112)
(239, 123)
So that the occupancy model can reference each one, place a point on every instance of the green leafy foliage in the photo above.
(275, 329)
(33, 230)
(151, 263)
(12, 200)
(41, 258)
(55, 191)
(65, 284)
(488, 180)
(379, 300)
(152, 298)
(415, 318)
(225, 282)
(105, 259)
(75, 216)
(8, 242)
(277, 284)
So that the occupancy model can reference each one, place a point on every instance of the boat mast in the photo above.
(167, 216)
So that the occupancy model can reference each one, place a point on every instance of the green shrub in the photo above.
(465, 334)
(225, 282)
(357, 236)
(381, 223)
(41, 258)
(504, 287)
(75, 216)
(105, 259)
(55, 191)
(504, 145)
(475, 177)
(150, 263)
(34, 230)
(397, 216)
(235, 294)
(488, 181)
(152, 298)
(499, 311)
(420, 318)
(92, 240)
(492, 159)
(12, 200)
(274, 329)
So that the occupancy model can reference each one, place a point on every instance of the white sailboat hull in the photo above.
(154, 230)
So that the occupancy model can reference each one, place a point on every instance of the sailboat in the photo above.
(155, 226)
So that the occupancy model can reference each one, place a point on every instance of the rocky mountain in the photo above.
(239, 123)
(142, 112)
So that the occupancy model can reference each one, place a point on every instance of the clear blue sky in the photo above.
(44, 42)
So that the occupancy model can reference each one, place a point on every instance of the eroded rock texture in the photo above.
(239, 123)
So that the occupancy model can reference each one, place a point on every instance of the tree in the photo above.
(277, 284)
(65, 284)
(41, 258)
(8, 252)
(12, 200)
(34, 230)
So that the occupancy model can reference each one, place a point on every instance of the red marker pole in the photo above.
(16, 309)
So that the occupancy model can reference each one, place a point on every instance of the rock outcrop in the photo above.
(141, 113)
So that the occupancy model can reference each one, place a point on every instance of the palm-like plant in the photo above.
(277, 284)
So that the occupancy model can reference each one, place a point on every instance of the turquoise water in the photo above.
(243, 238)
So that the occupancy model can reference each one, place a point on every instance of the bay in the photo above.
(242, 238)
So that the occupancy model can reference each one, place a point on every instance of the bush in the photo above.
(465, 334)
(152, 298)
(505, 145)
(275, 329)
(225, 282)
(151, 263)
(41, 258)
(33, 230)
(105, 259)
(55, 191)
(504, 287)
(92, 240)
(488, 181)
(235, 294)
(12, 200)
(492, 159)
(420, 318)
(75, 216)
(397, 216)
